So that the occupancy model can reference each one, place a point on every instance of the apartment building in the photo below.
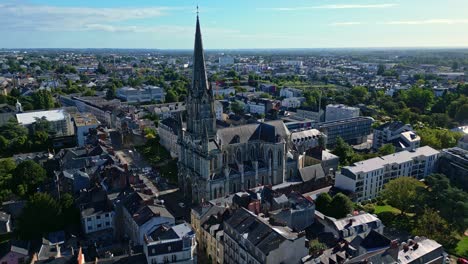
(146, 93)
(398, 134)
(367, 178)
(352, 130)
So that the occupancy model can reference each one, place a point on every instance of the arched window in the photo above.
(253, 155)
(239, 156)
(280, 158)
(225, 158)
(270, 157)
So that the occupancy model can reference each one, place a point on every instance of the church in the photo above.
(217, 162)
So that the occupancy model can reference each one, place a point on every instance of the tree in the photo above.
(40, 216)
(402, 192)
(101, 69)
(171, 96)
(431, 225)
(322, 203)
(340, 206)
(43, 99)
(419, 97)
(462, 113)
(344, 151)
(111, 92)
(316, 247)
(237, 107)
(28, 175)
(386, 149)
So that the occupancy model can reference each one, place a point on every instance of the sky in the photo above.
(233, 24)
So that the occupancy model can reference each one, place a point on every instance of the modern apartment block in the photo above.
(398, 134)
(352, 130)
(146, 93)
(340, 111)
(367, 178)
(454, 163)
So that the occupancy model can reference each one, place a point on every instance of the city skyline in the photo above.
(233, 25)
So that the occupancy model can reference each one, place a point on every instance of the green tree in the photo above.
(171, 96)
(111, 92)
(386, 149)
(237, 107)
(316, 247)
(431, 225)
(462, 113)
(344, 151)
(341, 206)
(419, 97)
(381, 69)
(101, 69)
(402, 193)
(40, 216)
(28, 175)
(322, 203)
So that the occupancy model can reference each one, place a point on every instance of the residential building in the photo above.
(141, 214)
(170, 244)
(352, 130)
(168, 132)
(219, 110)
(253, 239)
(308, 139)
(72, 180)
(146, 93)
(454, 163)
(398, 134)
(199, 215)
(421, 250)
(292, 102)
(14, 252)
(59, 120)
(339, 111)
(350, 227)
(225, 60)
(83, 122)
(97, 211)
(365, 179)
(290, 92)
(298, 213)
(317, 116)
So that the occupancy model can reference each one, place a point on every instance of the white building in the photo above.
(225, 60)
(59, 120)
(146, 93)
(290, 92)
(256, 107)
(398, 134)
(339, 112)
(219, 110)
(83, 123)
(292, 102)
(367, 178)
(174, 244)
(168, 131)
(307, 139)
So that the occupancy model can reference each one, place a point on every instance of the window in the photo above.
(239, 156)
(174, 258)
(107, 223)
(107, 215)
(280, 158)
(90, 228)
(99, 226)
(98, 217)
(88, 219)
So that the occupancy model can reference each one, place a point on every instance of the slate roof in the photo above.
(261, 131)
(313, 172)
(392, 126)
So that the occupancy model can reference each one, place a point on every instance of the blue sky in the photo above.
(170, 24)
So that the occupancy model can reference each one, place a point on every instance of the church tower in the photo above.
(196, 155)
(200, 103)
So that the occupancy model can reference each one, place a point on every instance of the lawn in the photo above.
(462, 247)
(386, 208)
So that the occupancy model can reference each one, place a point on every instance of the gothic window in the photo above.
(248, 184)
(239, 156)
(225, 158)
(236, 139)
(260, 154)
(280, 158)
(253, 155)
(270, 157)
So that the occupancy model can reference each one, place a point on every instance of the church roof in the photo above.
(245, 133)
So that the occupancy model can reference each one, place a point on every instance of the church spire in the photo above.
(200, 81)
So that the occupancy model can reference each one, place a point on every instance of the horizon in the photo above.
(262, 25)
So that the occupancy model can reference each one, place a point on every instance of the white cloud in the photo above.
(345, 23)
(337, 6)
(54, 18)
(428, 22)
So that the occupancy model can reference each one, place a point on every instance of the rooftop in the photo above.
(30, 117)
